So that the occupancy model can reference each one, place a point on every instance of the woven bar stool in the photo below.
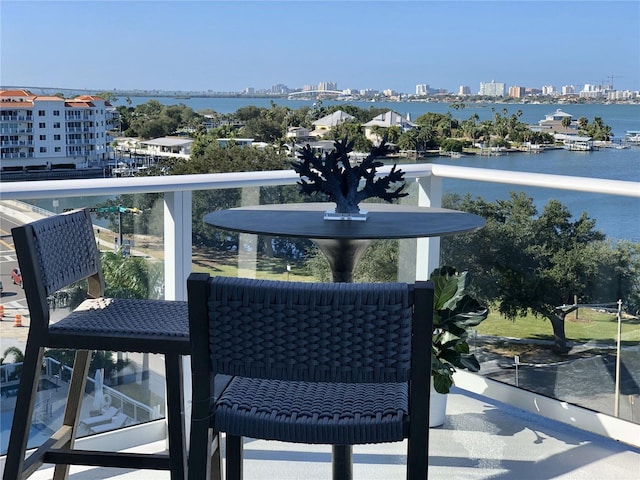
(53, 253)
(315, 363)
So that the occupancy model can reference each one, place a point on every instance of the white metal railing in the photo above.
(178, 189)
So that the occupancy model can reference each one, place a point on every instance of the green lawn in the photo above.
(590, 325)
(223, 264)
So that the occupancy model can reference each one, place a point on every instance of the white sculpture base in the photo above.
(332, 215)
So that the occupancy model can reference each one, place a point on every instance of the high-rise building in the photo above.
(323, 86)
(279, 89)
(548, 89)
(464, 90)
(49, 132)
(516, 91)
(492, 89)
(422, 89)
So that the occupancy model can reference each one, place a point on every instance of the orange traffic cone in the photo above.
(18, 320)
(1, 311)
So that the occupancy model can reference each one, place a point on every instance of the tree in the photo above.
(530, 262)
(352, 130)
(15, 352)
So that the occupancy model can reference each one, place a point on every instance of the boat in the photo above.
(632, 136)
(578, 146)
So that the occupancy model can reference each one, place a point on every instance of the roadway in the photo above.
(12, 299)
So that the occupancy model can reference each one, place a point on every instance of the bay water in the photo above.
(618, 217)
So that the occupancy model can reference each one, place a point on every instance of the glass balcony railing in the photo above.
(599, 373)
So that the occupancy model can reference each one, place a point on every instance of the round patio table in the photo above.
(344, 241)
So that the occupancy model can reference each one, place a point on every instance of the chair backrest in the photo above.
(334, 332)
(53, 253)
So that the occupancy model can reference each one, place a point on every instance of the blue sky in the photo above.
(228, 46)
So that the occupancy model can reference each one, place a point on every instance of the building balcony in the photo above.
(494, 429)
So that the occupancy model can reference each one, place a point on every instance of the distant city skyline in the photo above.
(225, 46)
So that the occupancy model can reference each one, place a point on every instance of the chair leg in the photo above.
(235, 458)
(202, 461)
(21, 426)
(216, 462)
(418, 457)
(342, 462)
(175, 417)
(72, 408)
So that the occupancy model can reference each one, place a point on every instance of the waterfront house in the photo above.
(168, 146)
(552, 123)
(325, 124)
(298, 134)
(386, 120)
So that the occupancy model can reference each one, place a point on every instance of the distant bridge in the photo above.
(308, 92)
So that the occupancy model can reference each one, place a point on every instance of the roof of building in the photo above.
(389, 119)
(559, 113)
(572, 138)
(169, 141)
(16, 93)
(336, 118)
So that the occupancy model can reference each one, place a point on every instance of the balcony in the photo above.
(493, 429)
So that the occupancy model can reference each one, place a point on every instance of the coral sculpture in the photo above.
(333, 175)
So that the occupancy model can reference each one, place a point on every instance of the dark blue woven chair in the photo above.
(53, 253)
(316, 363)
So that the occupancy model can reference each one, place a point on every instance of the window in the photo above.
(58, 149)
(56, 137)
(56, 113)
(41, 113)
(42, 125)
(43, 149)
(56, 124)
(43, 137)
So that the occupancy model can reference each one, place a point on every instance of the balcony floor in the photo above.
(481, 439)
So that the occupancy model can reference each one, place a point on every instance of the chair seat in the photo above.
(313, 412)
(153, 322)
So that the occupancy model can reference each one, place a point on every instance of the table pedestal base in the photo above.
(343, 255)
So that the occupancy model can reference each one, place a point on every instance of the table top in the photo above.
(306, 220)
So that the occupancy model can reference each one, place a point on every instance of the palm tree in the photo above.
(18, 356)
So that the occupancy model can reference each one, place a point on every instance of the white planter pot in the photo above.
(437, 408)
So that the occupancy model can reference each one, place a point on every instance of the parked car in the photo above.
(16, 276)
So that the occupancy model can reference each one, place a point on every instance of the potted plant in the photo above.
(454, 313)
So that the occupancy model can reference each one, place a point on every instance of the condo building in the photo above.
(422, 89)
(516, 91)
(492, 89)
(48, 132)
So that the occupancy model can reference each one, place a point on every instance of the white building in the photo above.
(548, 89)
(464, 90)
(422, 89)
(492, 89)
(45, 132)
(324, 86)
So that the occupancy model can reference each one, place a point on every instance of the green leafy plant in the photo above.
(455, 312)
